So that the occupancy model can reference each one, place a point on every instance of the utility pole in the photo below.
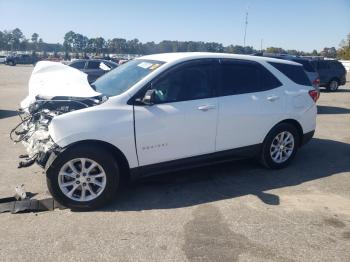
(245, 27)
(261, 45)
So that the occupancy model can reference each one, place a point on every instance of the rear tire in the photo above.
(280, 146)
(333, 85)
(83, 178)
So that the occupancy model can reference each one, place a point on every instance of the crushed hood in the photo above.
(51, 79)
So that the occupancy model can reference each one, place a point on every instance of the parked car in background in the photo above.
(2, 59)
(21, 59)
(332, 73)
(94, 68)
(159, 113)
(306, 63)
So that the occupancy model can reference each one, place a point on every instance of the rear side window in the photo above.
(241, 78)
(93, 65)
(78, 65)
(293, 72)
(306, 64)
(336, 65)
(323, 65)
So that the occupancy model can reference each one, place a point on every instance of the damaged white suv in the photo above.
(159, 113)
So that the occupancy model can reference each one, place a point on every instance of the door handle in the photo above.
(272, 98)
(206, 107)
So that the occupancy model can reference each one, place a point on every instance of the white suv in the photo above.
(164, 112)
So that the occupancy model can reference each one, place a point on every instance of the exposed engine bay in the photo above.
(33, 131)
(54, 89)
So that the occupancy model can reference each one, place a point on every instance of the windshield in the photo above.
(125, 76)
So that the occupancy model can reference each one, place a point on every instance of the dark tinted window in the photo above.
(186, 83)
(323, 65)
(306, 64)
(93, 65)
(78, 65)
(293, 72)
(336, 65)
(242, 77)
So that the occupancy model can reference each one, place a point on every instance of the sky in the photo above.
(290, 24)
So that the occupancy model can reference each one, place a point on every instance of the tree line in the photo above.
(15, 40)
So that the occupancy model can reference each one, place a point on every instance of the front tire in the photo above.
(83, 178)
(280, 146)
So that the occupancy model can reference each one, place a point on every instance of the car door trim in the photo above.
(195, 161)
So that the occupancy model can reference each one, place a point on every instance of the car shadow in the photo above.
(340, 90)
(7, 113)
(324, 110)
(319, 159)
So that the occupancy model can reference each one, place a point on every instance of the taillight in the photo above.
(314, 95)
(316, 82)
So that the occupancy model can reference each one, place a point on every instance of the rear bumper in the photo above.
(307, 137)
(343, 80)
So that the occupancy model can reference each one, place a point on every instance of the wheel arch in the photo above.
(334, 78)
(294, 123)
(117, 154)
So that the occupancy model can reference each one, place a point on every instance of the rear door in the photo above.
(251, 102)
(324, 71)
(182, 122)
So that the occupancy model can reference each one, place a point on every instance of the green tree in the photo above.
(117, 45)
(34, 39)
(275, 50)
(344, 51)
(16, 36)
(68, 42)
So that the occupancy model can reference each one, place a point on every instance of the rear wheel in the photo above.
(280, 146)
(333, 85)
(83, 178)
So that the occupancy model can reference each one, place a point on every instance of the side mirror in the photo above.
(148, 98)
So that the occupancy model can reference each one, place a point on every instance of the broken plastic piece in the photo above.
(29, 205)
(20, 192)
(26, 163)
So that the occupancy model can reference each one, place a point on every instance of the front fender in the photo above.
(111, 125)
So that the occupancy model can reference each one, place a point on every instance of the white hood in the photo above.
(52, 79)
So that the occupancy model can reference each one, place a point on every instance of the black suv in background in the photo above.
(94, 68)
(21, 59)
(331, 72)
(308, 67)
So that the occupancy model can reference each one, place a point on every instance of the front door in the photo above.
(182, 122)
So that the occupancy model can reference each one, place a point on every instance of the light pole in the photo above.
(245, 27)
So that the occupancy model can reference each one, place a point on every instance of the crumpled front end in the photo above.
(34, 134)
(33, 130)
(54, 89)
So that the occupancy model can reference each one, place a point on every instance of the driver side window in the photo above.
(189, 82)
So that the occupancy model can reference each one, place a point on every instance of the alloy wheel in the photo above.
(282, 147)
(82, 179)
